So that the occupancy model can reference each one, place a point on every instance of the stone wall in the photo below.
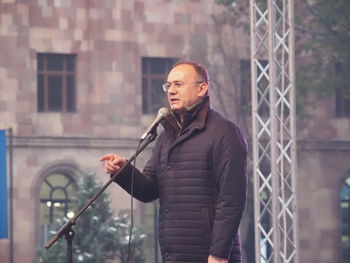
(322, 169)
(109, 39)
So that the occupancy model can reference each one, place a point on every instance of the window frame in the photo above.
(148, 77)
(345, 251)
(342, 104)
(68, 203)
(43, 96)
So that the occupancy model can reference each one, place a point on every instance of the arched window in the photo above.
(345, 213)
(56, 201)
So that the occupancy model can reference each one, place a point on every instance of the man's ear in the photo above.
(203, 89)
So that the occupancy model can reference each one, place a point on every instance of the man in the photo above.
(198, 172)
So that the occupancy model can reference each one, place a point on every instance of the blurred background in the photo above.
(82, 78)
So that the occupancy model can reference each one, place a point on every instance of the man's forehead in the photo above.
(176, 75)
(181, 72)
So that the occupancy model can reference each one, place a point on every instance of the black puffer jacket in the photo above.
(199, 177)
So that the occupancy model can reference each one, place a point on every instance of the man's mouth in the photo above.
(173, 100)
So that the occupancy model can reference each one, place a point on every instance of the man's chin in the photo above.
(176, 108)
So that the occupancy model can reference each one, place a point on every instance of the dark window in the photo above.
(245, 86)
(154, 73)
(246, 89)
(56, 83)
(345, 213)
(342, 103)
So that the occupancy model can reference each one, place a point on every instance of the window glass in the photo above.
(158, 95)
(71, 93)
(70, 63)
(41, 93)
(145, 95)
(41, 62)
(56, 83)
(55, 93)
(345, 216)
(57, 194)
(154, 73)
(54, 62)
(342, 103)
(158, 66)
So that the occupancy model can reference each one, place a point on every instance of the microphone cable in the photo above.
(162, 113)
(132, 203)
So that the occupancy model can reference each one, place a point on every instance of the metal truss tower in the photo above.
(274, 140)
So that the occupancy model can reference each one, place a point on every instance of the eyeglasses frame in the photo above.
(168, 85)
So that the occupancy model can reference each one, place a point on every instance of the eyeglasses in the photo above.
(178, 85)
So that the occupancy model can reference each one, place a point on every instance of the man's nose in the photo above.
(172, 90)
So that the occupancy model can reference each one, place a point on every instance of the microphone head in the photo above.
(164, 112)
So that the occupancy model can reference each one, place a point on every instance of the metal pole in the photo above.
(11, 191)
(254, 128)
(294, 171)
(273, 127)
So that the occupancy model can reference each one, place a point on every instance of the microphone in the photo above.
(162, 113)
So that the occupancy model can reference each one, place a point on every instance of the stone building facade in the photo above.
(324, 179)
(110, 42)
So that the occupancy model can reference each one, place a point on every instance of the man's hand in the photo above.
(213, 259)
(113, 163)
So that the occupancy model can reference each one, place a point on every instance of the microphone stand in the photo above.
(66, 229)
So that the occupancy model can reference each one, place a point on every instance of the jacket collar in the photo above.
(194, 117)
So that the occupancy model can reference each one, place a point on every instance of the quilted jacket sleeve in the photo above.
(230, 166)
(145, 183)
